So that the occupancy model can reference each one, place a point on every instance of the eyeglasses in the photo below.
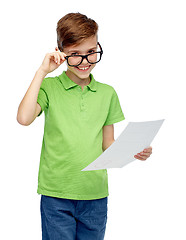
(92, 58)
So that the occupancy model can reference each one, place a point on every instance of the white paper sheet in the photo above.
(134, 138)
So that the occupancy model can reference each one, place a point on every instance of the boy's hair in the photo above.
(73, 28)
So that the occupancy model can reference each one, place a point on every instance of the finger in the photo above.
(149, 149)
(53, 57)
(140, 158)
(145, 154)
(62, 56)
(61, 59)
(57, 58)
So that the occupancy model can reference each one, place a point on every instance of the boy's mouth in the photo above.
(83, 69)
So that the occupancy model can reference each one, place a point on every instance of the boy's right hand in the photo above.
(52, 61)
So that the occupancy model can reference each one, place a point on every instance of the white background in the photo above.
(144, 60)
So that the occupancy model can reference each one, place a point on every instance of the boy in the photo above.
(79, 117)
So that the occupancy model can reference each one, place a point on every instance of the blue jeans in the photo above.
(65, 219)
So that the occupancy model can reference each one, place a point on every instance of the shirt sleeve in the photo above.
(115, 113)
(42, 98)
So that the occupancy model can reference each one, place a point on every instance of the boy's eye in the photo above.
(91, 51)
(75, 53)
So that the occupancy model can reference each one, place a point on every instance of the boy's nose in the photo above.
(84, 61)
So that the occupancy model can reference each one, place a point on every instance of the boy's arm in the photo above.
(108, 136)
(28, 108)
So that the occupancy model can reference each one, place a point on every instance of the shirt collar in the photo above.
(68, 83)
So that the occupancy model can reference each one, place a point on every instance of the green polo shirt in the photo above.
(73, 137)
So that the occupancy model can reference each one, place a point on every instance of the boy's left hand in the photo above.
(144, 154)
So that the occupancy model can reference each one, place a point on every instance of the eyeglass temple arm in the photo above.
(100, 47)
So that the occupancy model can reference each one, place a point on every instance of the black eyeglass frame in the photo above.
(86, 57)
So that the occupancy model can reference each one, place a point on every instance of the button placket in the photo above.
(83, 103)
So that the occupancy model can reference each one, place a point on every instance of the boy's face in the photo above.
(87, 46)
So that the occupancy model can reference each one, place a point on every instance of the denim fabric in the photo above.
(65, 219)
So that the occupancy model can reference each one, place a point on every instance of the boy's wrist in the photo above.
(42, 72)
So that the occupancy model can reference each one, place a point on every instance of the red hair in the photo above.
(73, 28)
